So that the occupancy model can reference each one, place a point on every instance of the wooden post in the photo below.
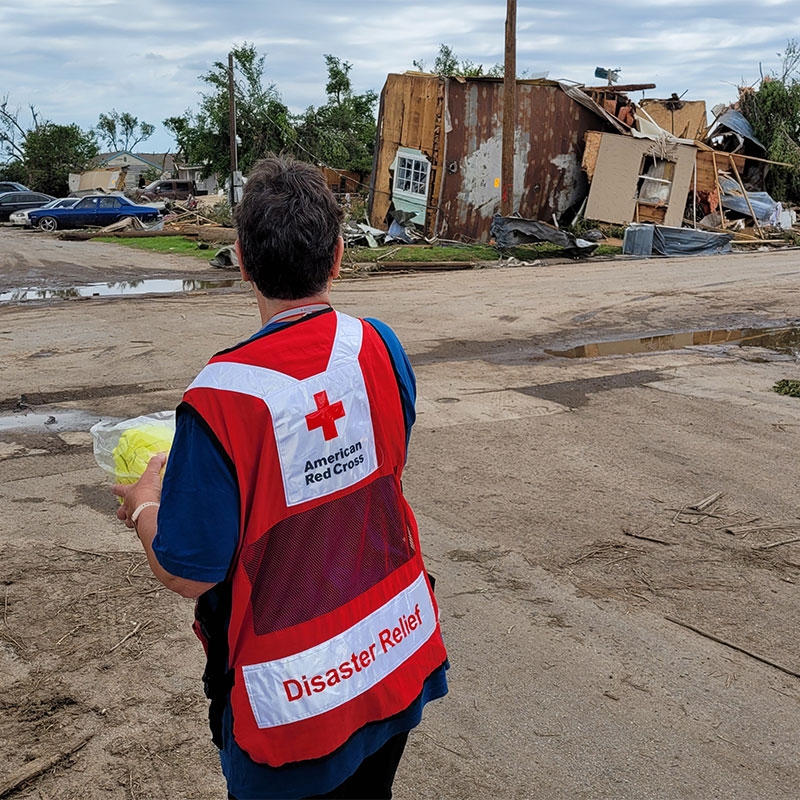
(232, 129)
(744, 192)
(719, 189)
(509, 111)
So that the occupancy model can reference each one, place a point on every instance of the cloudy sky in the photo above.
(76, 58)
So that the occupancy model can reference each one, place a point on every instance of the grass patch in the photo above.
(419, 253)
(180, 245)
(787, 386)
(460, 253)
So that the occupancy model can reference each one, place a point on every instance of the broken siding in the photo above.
(549, 141)
(706, 179)
(407, 118)
(590, 152)
(685, 119)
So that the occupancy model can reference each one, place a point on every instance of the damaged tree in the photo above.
(123, 131)
(263, 124)
(43, 154)
(773, 111)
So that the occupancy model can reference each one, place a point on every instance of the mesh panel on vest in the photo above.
(315, 561)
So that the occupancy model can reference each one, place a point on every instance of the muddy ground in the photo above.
(583, 593)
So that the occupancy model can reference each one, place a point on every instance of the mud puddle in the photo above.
(785, 340)
(57, 421)
(115, 289)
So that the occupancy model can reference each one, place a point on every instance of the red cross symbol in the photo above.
(325, 416)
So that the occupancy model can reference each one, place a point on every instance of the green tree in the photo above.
(447, 64)
(262, 120)
(52, 152)
(340, 133)
(122, 131)
(43, 153)
(13, 170)
(773, 111)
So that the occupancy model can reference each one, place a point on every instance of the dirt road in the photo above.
(558, 498)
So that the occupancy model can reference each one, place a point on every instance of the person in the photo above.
(282, 512)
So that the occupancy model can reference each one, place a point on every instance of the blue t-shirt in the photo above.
(198, 532)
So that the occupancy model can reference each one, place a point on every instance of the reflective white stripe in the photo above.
(326, 676)
(319, 453)
(262, 382)
(228, 376)
(347, 343)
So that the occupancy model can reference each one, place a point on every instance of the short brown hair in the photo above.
(288, 223)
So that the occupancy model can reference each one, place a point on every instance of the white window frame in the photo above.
(408, 180)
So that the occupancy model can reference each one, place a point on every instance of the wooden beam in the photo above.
(631, 87)
(719, 190)
(744, 192)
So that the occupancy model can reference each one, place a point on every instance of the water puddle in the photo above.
(781, 340)
(115, 289)
(58, 421)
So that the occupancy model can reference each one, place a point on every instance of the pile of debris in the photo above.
(684, 196)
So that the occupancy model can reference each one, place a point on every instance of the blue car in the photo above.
(95, 210)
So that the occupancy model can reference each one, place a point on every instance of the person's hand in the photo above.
(146, 489)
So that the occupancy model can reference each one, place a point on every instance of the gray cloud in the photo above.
(76, 58)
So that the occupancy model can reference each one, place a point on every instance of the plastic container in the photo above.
(124, 449)
(638, 239)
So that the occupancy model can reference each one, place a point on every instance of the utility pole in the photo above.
(232, 131)
(509, 111)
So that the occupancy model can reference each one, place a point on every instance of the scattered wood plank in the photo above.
(702, 508)
(645, 538)
(82, 236)
(707, 502)
(776, 544)
(141, 626)
(36, 767)
(423, 266)
(736, 647)
(743, 530)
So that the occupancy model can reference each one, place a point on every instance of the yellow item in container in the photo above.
(124, 448)
(135, 449)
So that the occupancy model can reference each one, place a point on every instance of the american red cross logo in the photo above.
(325, 416)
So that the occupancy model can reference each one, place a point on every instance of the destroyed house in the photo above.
(135, 165)
(653, 176)
(439, 144)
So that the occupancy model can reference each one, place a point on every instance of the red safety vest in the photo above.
(333, 621)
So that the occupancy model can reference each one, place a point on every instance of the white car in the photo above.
(21, 217)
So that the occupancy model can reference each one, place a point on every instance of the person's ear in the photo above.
(242, 270)
(338, 252)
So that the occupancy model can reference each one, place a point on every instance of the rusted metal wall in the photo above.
(548, 178)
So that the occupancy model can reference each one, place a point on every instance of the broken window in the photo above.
(655, 181)
(411, 175)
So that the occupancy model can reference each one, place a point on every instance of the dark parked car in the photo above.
(99, 210)
(12, 186)
(19, 201)
(169, 190)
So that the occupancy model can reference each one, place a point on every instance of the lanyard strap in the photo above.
(299, 311)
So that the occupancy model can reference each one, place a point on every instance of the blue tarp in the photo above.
(734, 120)
(733, 199)
(511, 232)
(646, 239)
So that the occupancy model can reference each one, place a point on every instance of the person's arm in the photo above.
(148, 490)
(191, 538)
(403, 371)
